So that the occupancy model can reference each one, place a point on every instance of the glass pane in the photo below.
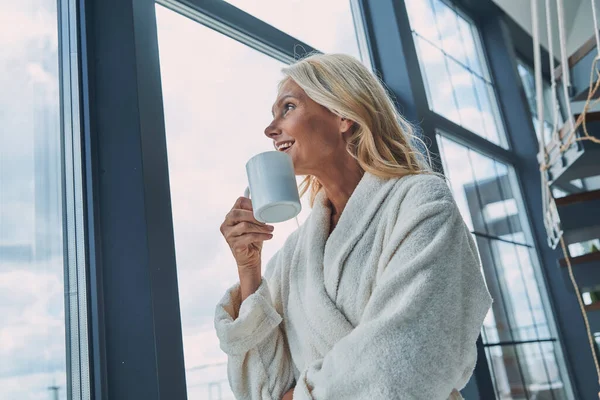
(421, 16)
(484, 192)
(466, 97)
(521, 299)
(518, 314)
(455, 73)
(445, 20)
(328, 26)
(507, 374)
(528, 79)
(542, 373)
(438, 82)
(32, 291)
(489, 112)
(495, 199)
(528, 85)
(471, 47)
(526, 371)
(460, 179)
(215, 122)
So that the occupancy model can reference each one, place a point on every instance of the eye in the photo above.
(288, 107)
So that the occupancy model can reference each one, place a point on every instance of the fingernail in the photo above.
(270, 227)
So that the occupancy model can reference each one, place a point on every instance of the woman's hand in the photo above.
(289, 395)
(245, 236)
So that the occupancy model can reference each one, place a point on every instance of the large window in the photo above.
(518, 333)
(218, 102)
(456, 75)
(32, 283)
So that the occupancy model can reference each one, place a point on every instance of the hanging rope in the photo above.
(539, 95)
(549, 206)
(596, 33)
(550, 221)
(564, 60)
(537, 63)
(548, 201)
(555, 107)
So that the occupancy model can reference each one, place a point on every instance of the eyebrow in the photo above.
(281, 100)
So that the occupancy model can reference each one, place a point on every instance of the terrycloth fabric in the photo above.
(389, 306)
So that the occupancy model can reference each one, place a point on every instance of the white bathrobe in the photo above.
(387, 306)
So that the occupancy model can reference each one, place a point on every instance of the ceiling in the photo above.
(578, 20)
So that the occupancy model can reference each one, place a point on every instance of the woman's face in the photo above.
(307, 131)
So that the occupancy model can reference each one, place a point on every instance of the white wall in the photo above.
(576, 15)
(582, 27)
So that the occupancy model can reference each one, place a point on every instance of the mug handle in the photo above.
(247, 192)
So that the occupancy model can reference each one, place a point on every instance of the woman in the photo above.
(378, 295)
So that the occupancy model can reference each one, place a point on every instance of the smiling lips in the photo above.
(283, 146)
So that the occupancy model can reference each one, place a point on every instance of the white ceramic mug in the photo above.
(273, 187)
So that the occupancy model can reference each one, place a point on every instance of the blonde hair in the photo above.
(382, 142)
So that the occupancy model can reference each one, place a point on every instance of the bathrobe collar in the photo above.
(326, 254)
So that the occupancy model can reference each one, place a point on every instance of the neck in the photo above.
(339, 183)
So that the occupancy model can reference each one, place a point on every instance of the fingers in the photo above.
(243, 228)
(243, 203)
(236, 216)
(240, 228)
(250, 238)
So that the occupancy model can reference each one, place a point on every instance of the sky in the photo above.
(217, 98)
(32, 344)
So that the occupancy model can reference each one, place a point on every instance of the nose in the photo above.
(272, 130)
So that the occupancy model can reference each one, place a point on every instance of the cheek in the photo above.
(300, 129)
(323, 135)
(314, 134)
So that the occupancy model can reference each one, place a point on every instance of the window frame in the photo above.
(77, 303)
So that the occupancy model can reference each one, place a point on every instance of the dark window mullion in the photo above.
(493, 237)
(471, 140)
(241, 26)
(519, 342)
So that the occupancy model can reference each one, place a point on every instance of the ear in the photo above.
(346, 125)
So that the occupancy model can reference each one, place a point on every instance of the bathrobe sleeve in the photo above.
(417, 336)
(259, 364)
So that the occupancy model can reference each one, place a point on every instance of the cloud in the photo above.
(34, 386)
(32, 329)
(30, 22)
